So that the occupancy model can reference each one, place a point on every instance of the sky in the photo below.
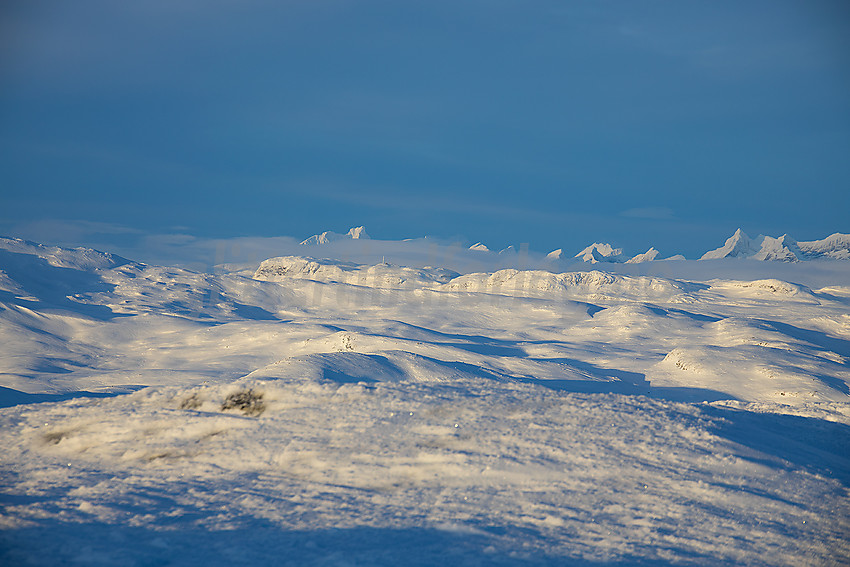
(557, 124)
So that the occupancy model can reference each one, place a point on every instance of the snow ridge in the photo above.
(73, 258)
(836, 247)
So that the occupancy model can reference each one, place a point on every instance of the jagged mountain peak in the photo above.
(783, 249)
(739, 245)
(600, 252)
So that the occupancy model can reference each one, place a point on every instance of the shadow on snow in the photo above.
(262, 543)
(10, 397)
(788, 442)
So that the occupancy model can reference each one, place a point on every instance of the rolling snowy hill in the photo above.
(330, 412)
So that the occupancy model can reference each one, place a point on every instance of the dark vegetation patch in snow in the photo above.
(248, 402)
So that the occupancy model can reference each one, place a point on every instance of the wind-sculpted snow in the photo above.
(329, 412)
(500, 472)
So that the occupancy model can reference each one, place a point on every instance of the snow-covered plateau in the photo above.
(314, 411)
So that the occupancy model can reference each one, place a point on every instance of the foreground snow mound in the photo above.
(309, 471)
(378, 276)
(356, 233)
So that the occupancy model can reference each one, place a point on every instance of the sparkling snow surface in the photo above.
(330, 413)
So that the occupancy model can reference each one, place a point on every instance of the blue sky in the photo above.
(665, 123)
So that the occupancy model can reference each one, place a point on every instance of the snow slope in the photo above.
(333, 413)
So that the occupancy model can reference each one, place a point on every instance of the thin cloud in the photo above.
(67, 231)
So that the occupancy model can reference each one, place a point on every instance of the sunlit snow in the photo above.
(410, 411)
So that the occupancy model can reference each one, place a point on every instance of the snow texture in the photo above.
(328, 412)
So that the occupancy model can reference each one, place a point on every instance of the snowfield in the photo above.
(312, 411)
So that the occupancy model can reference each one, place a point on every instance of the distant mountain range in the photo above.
(784, 248)
(739, 245)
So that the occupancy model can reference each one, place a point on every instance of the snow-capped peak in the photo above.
(783, 249)
(836, 246)
(600, 252)
(358, 233)
(479, 247)
(647, 256)
(355, 233)
(739, 245)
